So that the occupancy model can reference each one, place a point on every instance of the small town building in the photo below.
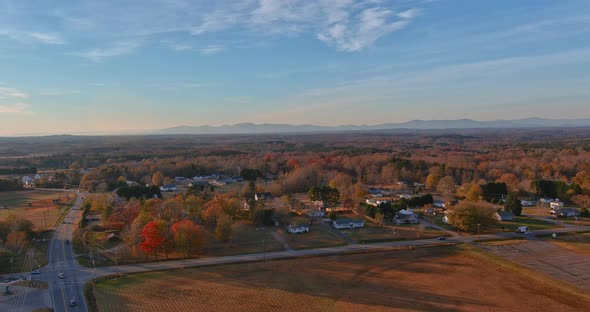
(348, 223)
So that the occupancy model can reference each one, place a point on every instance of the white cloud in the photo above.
(359, 33)
(116, 49)
(58, 92)
(47, 38)
(211, 49)
(9, 92)
(18, 108)
(33, 36)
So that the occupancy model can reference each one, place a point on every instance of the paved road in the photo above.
(63, 260)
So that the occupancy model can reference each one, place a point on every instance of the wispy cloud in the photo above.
(12, 93)
(18, 108)
(211, 49)
(116, 49)
(183, 86)
(57, 92)
(33, 36)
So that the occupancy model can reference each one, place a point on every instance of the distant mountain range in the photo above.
(250, 128)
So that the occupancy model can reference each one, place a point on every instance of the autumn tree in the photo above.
(188, 237)
(468, 216)
(158, 179)
(446, 185)
(432, 181)
(16, 241)
(328, 195)
(474, 193)
(223, 227)
(214, 208)
(153, 237)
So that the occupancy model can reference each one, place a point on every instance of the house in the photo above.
(504, 216)
(374, 202)
(168, 188)
(26, 180)
(405, 196)
(179, 179)
(316, 213)
(37, 177)
(555, 204)
(348, 223)
(262, 196)
(405, 217)
(439, 204)
(565, 212)
(528, 203)
(299, 228)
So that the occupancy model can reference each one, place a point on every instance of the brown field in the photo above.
(35, 205)
(579, 243)
(431, 279)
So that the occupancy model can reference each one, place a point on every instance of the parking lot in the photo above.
(555, 261)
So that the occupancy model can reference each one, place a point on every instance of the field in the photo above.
(533, 224)
(373, 233)
(417, 280)
(579, 243)
(34, 205)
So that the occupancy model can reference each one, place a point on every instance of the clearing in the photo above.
(430, 279)
(35, 205)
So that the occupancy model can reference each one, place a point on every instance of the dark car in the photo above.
(73, 303)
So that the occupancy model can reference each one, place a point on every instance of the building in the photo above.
(528, 203)
(504, 216)
(375, 203)
(439, 204)
(262, 196)
(405, 217)
(348, 223)
(299, 228)
(565, 212)
(168, 188)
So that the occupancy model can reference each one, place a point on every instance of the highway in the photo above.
(63, 260)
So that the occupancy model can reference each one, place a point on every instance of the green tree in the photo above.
(469, 216)
(513, 205)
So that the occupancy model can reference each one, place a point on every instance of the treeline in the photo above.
(19, 170)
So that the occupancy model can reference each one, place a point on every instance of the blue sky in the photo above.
(116, 66)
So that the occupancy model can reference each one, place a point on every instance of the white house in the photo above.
(405, 217)
(37, 177)
(168, 188)
(374, 202)
(504, 216)
(299, 228)
(555, 204)
(439, 204)
(348, 223)
(26, 180)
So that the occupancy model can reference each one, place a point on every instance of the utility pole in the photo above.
(478, 233)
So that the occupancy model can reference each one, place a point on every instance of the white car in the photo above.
(61, 275)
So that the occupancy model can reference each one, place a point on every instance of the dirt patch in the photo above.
(433, 279)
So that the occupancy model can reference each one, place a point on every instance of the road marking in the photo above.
(63, 298)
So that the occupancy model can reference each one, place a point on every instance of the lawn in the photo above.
(34, 205)
(319, 235)
(533, 224)
(246, 238)
(374, 233)
(430, 279)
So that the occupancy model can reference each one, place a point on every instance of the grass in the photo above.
(319, 236)
(375, 233)
(41, 211)
(533, 224)
(415, 280)
(245, 240)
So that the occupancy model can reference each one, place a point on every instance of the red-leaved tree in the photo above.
(152, 237)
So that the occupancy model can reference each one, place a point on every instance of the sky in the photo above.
(122, 66)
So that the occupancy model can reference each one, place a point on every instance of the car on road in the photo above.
(73, 303)
(442, 238)
(67, 241)
(36, 272)
(61, 275)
